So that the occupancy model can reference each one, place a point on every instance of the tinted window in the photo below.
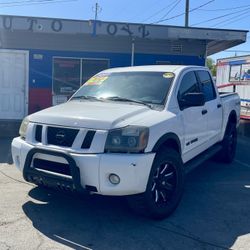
(188, 84)
(207, 85)
(149, 87)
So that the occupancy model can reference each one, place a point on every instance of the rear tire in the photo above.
(229, 144)
(164, 188)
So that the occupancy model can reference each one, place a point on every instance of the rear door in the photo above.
(195, 122)
(13, 84)
(213, 107)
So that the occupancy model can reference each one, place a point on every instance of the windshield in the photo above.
(146, 87)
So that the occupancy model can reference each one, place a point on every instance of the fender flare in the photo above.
(171, 137)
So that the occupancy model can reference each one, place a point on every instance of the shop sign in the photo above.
(93, 28)
(31, 24)
(112, 29)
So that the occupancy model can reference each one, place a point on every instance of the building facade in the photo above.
(43, 61)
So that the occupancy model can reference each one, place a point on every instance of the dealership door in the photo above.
(13, 84)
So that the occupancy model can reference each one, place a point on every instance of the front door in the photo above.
(193, 118)
(13, 84)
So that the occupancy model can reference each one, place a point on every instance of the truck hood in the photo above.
(91, 114)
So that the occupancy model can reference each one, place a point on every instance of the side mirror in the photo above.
(192, 100)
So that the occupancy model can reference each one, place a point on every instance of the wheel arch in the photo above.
(168, 140)
(232, 118)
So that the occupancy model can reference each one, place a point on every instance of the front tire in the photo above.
(164, 187)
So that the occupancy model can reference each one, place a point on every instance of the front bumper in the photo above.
(88, 171)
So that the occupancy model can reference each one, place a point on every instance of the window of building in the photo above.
(66, 76)
(92, 66)
(70, 73)
(207, 85)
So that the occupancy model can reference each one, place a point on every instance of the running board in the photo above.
(198, 160)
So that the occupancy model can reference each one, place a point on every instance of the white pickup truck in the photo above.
(131, 132)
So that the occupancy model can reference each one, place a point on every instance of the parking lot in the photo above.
(213, 214)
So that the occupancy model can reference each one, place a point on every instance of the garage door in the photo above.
(13, 84)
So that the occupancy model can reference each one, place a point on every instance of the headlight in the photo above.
(131, 139)
(23, 128)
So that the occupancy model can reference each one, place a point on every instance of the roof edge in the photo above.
(119, 22)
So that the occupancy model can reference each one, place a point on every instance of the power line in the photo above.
(225, 9)
(177, 2)
(19, 2)
(219, 17)
(31, 2)
(158, 12)
(232, 19)
(181, 14)
(23, 2)
(148, 7)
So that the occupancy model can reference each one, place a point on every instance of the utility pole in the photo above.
(97, 9)
(187, 13)
(133, 52)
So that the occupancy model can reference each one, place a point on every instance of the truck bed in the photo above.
(225, 94)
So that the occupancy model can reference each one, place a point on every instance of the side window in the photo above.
(189, 84)
(207, 85)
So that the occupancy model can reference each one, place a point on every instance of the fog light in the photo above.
(114, 179)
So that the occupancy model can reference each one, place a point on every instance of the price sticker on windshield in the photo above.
(97, 80)
(168, 75)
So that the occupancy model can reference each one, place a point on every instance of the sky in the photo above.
(225, 14)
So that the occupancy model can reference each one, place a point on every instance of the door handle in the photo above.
(218, 105)
(204, 111)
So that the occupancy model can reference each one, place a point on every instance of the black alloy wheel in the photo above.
(164, 188)
(229, 144)
(164, 183)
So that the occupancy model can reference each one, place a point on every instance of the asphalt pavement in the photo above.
(213, 214)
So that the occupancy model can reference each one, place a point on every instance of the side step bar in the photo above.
(198, 160)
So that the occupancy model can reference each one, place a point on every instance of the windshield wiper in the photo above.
(123, 99)
(86, 97)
